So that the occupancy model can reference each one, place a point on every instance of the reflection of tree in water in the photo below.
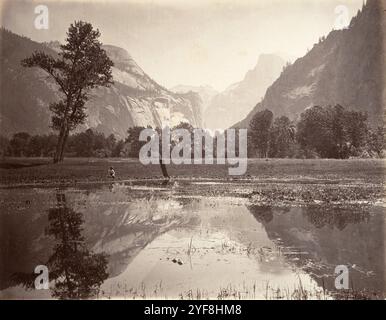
(264, 214)
(319, 217)
(327, 237)
(77, 272)
(335, 217)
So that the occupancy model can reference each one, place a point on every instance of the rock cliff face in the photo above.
(206, 93)
(134, 99)
(347, 68)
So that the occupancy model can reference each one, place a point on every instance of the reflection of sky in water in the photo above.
(224, 243)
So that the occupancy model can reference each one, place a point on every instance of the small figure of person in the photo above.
(112, 173)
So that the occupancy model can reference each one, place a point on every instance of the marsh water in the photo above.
(168, 242)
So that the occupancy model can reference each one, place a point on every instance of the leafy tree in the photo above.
(4, 146)
(332, 132)
(92, 144)
(101, 145)
(35, 146)
(376, 141)
(259, 129)
(190, 128)
(356, 128)
(118, 148)
(83, 143)
(49, 144)
(133, 140)
(81, 65)
(19, 144)
(110, 142)
(281, 138)
(314, 131)
(336, 120)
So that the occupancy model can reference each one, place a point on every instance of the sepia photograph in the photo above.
(208, 150)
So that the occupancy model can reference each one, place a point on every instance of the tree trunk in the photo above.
(63, 135)
(163, 169)
(64, 145)
(59, 144)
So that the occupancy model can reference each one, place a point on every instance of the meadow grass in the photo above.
(75, 170)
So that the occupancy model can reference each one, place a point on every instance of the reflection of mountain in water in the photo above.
(115, 223)
(122, 221)
(124, 229)
(122, 226)
(331, 237)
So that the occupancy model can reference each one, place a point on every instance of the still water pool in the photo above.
(162, 242)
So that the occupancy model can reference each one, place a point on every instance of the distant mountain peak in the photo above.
(343, 68)
(122, 59)
(265, 58)
(239, 98)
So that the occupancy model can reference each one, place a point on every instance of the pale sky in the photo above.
(190, 42)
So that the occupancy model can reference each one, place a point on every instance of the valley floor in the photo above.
(272, 181)
(270, 234)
